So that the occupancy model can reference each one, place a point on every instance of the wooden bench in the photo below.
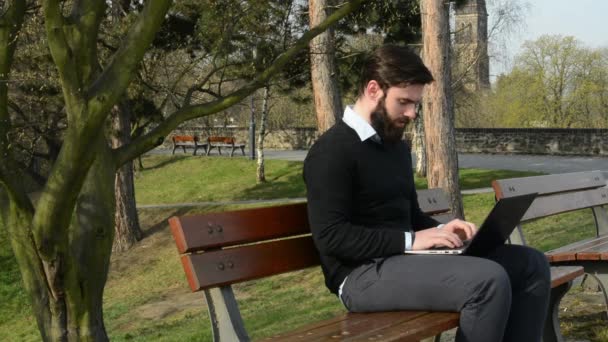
(220, 142)
(561, 193)
(186, 141)
(221, 249)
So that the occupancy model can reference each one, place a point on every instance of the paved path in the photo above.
(520, 162)
(539, 163)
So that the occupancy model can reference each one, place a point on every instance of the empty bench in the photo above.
(221, 249)
(227, 142)
(561, 193)
(186, 141)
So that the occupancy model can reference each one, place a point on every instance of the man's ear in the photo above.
(374, 91)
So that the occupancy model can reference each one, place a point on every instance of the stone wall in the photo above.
(469, 140)
(533, 141)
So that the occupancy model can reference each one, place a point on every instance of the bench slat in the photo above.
(233, 265)
(568, 252)
(444, 218)
(433, 201)
(350, 324)
(597, 252)
(549, 184)
(562, 203)
(421, 327)
(564, 274)
(202, 232)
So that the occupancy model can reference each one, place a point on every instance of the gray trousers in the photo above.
(502, 297)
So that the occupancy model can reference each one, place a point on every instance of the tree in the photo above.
(324, 77)
(63, 244)
(442, 166)
(260, 173)
(556, 82)
(126, 228)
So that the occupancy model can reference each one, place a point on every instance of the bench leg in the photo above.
(601, 281)
(226, 321)
(232, 152)
(219, 150)
(174, 148)
(195, 148)
(552, 331)
(243, 150)
(209, 149)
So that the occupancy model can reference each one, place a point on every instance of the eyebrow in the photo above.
(407, 99)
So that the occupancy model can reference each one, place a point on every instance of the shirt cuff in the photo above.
(440, 226)
(408, 241)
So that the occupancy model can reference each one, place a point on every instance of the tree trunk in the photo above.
(261, 175)
(323, 70)
(127, 228)
(66, 295)
(420, 146)
(438, 103)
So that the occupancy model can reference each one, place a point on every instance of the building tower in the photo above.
(471, 44)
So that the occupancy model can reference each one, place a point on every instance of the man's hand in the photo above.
(465, 230)
(450, 235)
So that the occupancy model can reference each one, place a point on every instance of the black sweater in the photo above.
(361, 200)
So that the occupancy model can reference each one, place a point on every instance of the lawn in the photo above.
(147, 297)
(185, 179)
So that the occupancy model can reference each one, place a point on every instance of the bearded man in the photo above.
(364, 215)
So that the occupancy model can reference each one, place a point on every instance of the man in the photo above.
(364, 215)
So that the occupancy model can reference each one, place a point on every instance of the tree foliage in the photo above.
(556, 82)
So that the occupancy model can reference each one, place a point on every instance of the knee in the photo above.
(494, 284)
(538, 273)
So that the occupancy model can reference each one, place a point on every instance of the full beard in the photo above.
(387, 128)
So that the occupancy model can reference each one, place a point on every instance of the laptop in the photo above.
(494, 231)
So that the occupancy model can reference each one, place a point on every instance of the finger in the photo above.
(469, 230)
(473, 229)
(465, 228)
(454, 239)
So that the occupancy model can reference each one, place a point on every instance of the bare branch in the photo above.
(156, 136)
(112, 83)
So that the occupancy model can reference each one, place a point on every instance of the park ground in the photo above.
(147, 297)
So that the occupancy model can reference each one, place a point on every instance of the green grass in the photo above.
(16, 322)
(197, 179)
(147, 297)
(181, 179)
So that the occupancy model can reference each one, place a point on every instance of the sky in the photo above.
(586, 20)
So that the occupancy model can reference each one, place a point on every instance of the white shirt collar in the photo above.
(355, 121)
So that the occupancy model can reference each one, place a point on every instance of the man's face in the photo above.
(395, 110)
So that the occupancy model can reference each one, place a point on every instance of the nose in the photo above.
(411, 112)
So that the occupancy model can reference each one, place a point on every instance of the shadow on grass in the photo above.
(586, 326)
(285, 183)
(159, 223)
(163, 161)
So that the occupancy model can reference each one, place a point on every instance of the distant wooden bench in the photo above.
(561, 193)
(186, 141)
(220, 142)
(221, 249)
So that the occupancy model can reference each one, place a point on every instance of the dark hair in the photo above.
(393, 65)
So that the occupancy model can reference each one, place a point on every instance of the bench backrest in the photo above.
(184, 138)
(221, 140)
(219, 249)
(557, 193)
